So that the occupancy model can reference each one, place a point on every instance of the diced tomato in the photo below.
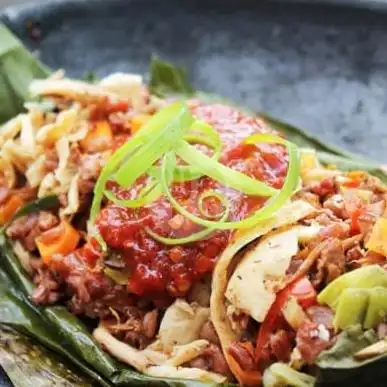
(91, 252)
(270, 322)
(355, 224)
(203, 264)
(305, 294)
(353, 183)
(102, 110)
(241, 151)
(355, 208)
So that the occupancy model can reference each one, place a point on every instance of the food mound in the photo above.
(202, 243)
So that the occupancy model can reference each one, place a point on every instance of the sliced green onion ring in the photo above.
(220, 197)
(148, 188)
(198, 235)
(202, 133)
(179, 241)
(114, 162)
(267, 211)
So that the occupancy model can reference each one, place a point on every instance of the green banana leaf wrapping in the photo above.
(55, 327)
(27, 363)
(18, 68)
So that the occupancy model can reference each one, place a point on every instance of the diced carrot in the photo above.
(99, 138)
(138, 121)
(9, 208)
(355, 204)
(62, 239)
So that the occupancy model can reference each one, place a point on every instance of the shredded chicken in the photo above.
(89, 169)
(281, 345)
(242, 355)
(307, 264)
(149, 323)
(207, 332)
(309, 197)
(336, 204)
(331, 263)
(311, 342)
(48, 288)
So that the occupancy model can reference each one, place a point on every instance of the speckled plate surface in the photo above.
(321, 67)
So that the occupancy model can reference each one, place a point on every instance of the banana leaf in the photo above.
(18, 67)
(28, 363)
(18, 313)
(55, 327)
(59, 330)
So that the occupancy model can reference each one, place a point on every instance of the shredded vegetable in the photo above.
(179, 241)
(219, 172)
(272, 205)
(131, 147)
(199, 133)
(166, 128)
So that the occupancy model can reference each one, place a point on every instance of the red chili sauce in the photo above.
(160, 270)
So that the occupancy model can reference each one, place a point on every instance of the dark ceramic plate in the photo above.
(321, 67)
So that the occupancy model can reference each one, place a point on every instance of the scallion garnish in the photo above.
(267, 211)
(169, 134)
(167, 128)
(222, 199)
(199, 133)
(219, 172)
